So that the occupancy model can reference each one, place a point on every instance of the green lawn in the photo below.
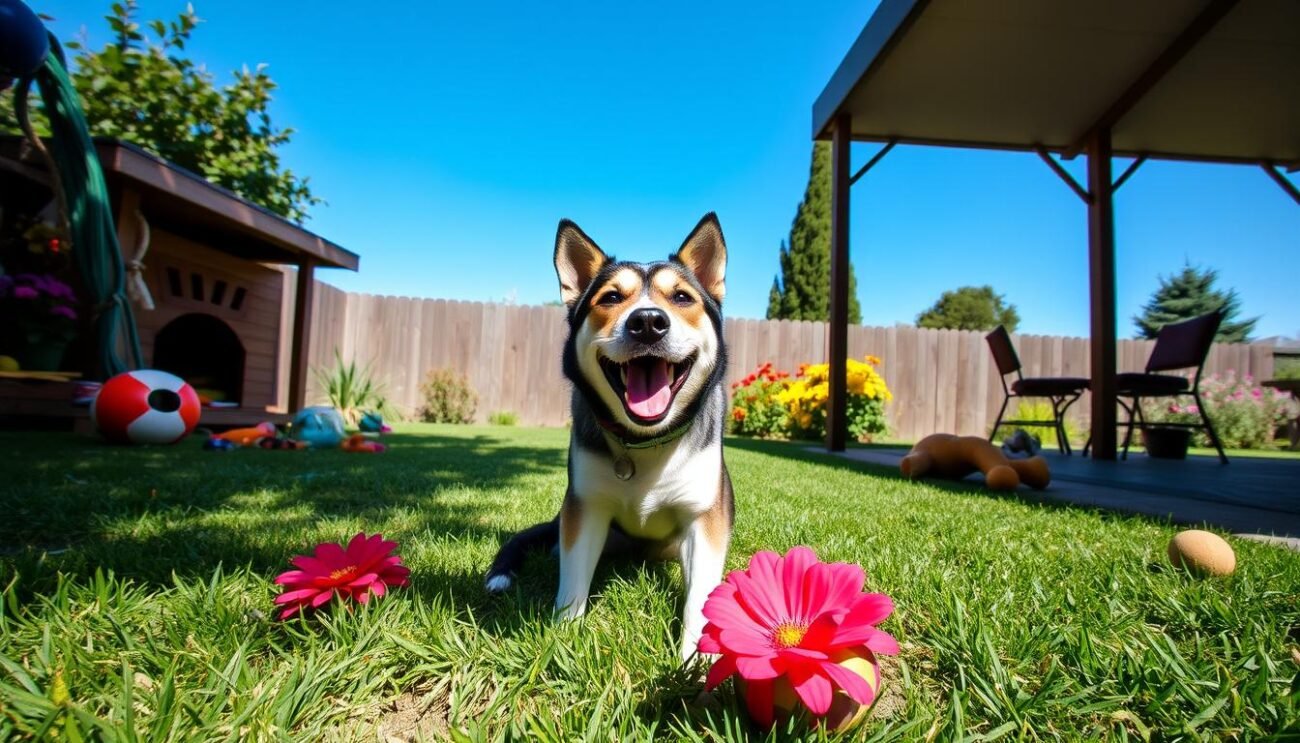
(138, 601)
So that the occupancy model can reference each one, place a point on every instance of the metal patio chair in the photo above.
(1061, 391)
(1182, 345)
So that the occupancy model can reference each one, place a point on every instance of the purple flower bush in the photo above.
(42, 306)
(1245, 415)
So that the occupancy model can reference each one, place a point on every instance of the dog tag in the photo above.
(624, 469)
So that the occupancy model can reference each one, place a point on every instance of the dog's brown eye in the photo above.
(683, 298)
(610, 297)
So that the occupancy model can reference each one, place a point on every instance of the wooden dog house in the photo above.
(218, 270)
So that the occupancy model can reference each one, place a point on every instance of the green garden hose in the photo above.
(79, 182)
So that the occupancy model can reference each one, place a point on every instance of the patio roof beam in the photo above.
(875, 159)
(1101, 290)
(1282, 181)
(1129, 171)
(1064, 174)
(837, 329)
(1206, 20)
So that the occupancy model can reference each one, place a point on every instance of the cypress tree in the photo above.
(1189, 294)
(802, 292)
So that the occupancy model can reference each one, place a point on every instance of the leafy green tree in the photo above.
(145, 91)
(802, 292)
(1191, 293)
(970, 308)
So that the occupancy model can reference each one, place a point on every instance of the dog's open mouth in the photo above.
(647, 385)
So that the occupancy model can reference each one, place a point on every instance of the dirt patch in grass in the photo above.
(891, 702)
(415, 717)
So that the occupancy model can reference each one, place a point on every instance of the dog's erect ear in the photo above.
(705, 253)
(577, 261)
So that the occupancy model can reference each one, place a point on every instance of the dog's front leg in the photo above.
(703, 557)
(583, 530)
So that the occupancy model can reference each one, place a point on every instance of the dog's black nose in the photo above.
(647, 324)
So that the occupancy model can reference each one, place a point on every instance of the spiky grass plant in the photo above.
(353, 390)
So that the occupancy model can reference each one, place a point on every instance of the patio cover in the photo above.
(1203, 80)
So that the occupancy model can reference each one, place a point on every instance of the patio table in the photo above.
(1292, 386)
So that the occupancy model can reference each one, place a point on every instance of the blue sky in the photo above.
(449, 138)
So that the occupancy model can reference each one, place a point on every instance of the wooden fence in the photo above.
(942, 380)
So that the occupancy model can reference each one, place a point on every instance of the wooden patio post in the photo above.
(302, 308)
(1101, 269)
(838, 328)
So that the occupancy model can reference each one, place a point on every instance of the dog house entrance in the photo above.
(205, 352)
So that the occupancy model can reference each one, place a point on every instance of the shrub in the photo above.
(1286, 367)
(1244, 415)
(503, 418)
(353, 390)
(1039, 411)
(756, 409)
(448, 398)
(805, 399)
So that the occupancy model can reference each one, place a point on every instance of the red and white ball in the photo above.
(146, 406)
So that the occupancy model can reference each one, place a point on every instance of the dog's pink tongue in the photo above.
(648, 388)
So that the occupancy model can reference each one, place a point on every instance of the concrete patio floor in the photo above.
(1256, 498)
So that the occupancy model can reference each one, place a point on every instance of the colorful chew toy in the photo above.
(954, 457)
(358, 442)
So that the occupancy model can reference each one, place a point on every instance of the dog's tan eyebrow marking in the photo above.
(667, 282)
(627, 282)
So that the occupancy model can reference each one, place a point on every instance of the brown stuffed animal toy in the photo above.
(946, 455)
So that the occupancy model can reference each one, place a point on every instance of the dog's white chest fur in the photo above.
(672, 485)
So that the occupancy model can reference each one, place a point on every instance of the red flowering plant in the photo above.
(365, 567)
(796, 630)
(755, 407)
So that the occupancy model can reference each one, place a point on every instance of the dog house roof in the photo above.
(191, 206)
(187, 205)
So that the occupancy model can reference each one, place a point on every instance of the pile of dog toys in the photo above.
(317, 427)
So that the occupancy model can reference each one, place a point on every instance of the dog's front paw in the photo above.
(569, 611)
(498, 583)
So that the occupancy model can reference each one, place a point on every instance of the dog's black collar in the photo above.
(628, 441)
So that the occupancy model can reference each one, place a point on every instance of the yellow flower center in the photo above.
(342, 573)
(788, 634)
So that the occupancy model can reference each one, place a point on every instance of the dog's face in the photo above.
(645, 339)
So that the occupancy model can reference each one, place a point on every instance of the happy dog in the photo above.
(646, 358)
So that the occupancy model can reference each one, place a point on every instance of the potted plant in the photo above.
(1166, 442)
(40, 317)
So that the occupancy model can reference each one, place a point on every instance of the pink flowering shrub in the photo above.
(1245, 415)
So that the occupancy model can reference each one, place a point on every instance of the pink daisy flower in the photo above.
(796, 618)
(365, 567)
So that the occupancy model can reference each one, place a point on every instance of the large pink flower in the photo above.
(365, 567)
(794, 617)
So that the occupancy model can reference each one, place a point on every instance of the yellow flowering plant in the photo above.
(772, 404)
(805, 400)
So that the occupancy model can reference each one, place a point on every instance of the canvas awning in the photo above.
(1204, 80)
